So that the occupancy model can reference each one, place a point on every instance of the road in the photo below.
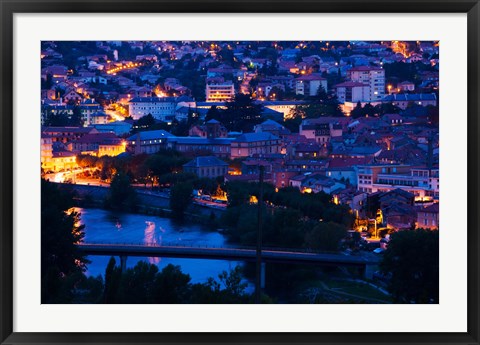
(245, 85)
(115, 115)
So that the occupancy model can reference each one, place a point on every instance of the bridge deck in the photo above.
(225, 254)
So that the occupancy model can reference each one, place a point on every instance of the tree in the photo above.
(241, 114)
(322, 104)
(277, 93)
(112, 282)
(369, 110)
(181, 196)
(77, 118)
(433, 114)
(121, 195)
(237, 194)
(86, 161)
(386, 108)
(325, 236)
(357, 111)
(164, 162)
(193, 117)
(212, 114)
(233, 290)
(412, 260)
(60, 232)
(145, 122)
(48, 82)
(293, 123)
(171, 286)
(137, 283)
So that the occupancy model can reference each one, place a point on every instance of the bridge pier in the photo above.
(123, 263)
(262, 275)
(369, 270)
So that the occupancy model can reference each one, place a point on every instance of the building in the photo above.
(54, 157)
(284, 107)
(67, 134)
(195, 146)
(252, 166)
(271, 127)
(211, 129)
(281, 177)
(54, 109)
(219, 91)
(87, 108)
(403, 100)
(321, 129)
(373, 77)
(315, 183)
(249, 144)
(343, 169)
(304, 150)
(46, 152)
(148, 141)
(72, 97)
(63, 160)
(406, 86)
(422, 182)
(161, 108)
(352, 91)
(99, 118)
(428, 217)
(117, 127)
(394, 208)
(112, 147)
(309, 85)
(364, 151)
(98, 144)
(209, 166)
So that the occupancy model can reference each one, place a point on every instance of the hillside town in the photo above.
(356, 120)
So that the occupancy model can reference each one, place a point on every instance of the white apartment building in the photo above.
(373, 77)
(161, 108)
(308, 85)
(352, 91)
(219, 92)
(424, 183)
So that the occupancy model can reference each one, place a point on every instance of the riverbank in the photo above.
(147, 203)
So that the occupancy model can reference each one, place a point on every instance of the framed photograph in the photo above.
(251, 172)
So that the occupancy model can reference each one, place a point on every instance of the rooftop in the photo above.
(205, 162)
(411, 97)
(252, 137)
(152, 99)
(150, 135)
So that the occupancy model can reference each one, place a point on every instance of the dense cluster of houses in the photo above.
(387, 164)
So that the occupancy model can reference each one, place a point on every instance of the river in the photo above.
(102, 226)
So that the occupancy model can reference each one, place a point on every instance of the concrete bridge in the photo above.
(367, 265)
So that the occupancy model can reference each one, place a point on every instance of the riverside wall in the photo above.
(150, 203)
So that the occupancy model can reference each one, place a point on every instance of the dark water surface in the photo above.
(102, 226)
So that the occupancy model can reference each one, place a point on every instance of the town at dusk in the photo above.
(240, 172)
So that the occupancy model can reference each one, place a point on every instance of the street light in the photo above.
(258, 276)
(375, 232)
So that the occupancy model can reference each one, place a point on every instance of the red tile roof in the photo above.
(365, 68)
(347, 162)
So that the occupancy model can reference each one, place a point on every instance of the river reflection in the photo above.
(103, 226)
(150, 239)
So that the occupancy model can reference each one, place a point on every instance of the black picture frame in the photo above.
(10, 7)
